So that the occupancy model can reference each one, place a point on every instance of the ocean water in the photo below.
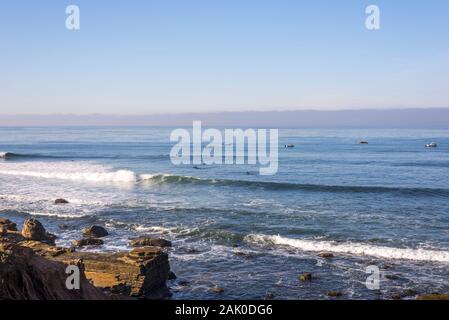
(384, 204)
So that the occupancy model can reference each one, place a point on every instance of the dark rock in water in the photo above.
(433, 296)
(150, 242)
(243, 255)
(172, 276)
(61, 201)
(193, 251)
(217, 290)
(63, 226)
(183, 283)
(363, 142)
(34, 230)
(269, 296)
(305, 277)
(334, 294)
(88, 242)
(8, 224)
(95, 232)
(3, 230)
(326, 255)
(391, 277)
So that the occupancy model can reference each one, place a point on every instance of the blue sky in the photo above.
(144, 57)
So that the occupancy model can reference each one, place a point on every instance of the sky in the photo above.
(177, 56)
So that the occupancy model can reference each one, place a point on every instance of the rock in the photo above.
(193, 251)
(269, 296)
(3, 230)
(63, 226)
(61, 201)
(217, 290)
(433, 296)
(305, 277)
(8, 224)
(326, 255)
(88, 242)
(34, 230)
(171, 276)
(243, 255)
(391, 277)
(95, 232)
(150, 242)
(183, 283)
(26, 275)
(334, 294)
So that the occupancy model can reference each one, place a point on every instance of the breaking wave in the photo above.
(351, 248)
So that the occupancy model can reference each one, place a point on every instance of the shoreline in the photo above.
(33, 268)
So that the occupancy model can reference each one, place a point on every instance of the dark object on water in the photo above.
(305, 277)
(149, 242)
(289, 145)
(61, 201)
(95, 232)
(88, 242)
(363, 142)
(5, 155)
(431, 145)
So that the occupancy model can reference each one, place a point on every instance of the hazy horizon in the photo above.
(372, 118)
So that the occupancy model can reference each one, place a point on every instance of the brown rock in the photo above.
(95, 232)
(8, 224)
(150, 242)
(326, 255)
(88, 242)
(61, 201)
(34, 230)
(305, 277)
(434, 296)
(334, 294)
(28, 276)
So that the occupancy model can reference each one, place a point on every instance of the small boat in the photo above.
(431, 145)
(289, 145)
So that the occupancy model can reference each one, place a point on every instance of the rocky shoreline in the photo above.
(32, 267)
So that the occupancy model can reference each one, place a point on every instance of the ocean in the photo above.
(383, 204)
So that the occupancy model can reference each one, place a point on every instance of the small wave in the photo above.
(358, 249)
(7, 155)
(176, 179)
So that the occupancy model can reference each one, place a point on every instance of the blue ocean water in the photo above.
(384, 203)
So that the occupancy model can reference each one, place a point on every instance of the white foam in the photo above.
(359, 249)
(68, 171)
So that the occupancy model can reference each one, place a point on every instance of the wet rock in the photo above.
(217, 290)
(391, 277)
(192, 251)
(172, 276)
(3, 230)
(326, 255)
(95, 232)
(305, 277)
(34, 230)
(243, 255)
(183, 283)
(269, 296)
(61, 201)
(433, 296)
(149, 242)
(88, 242)
(334, 294)
(63, 226)
(8, 225)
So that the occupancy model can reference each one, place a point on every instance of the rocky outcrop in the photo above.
(34, 230)
(95, 232)
(7, 224)
(31, 269)
(88, 242)
(149, 242)
(24, 275)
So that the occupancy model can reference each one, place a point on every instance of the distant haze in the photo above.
(396, 118)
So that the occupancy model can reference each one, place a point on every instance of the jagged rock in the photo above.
(95, 232)
(27, 276)
(8, 224)
(334, 294)
(172, 276)
(61, 201)
(34, 230)
(149, 242)
(305, 277)
(88, 242)
(326, 255)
